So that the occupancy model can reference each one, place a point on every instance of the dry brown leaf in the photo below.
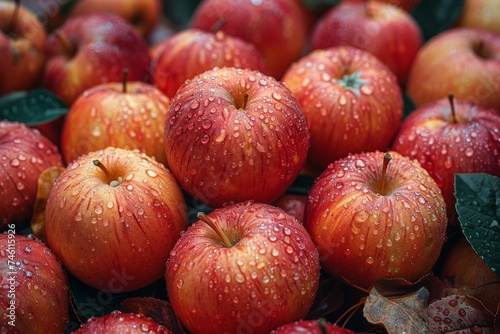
(45, 182)
(399, 314)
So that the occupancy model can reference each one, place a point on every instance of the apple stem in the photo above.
(387, 159)
(15, 17)
(64, 43)
(225, 240)
(245, 101)
(124, 79)
(366, 8)
(217, 25)
(322, 325)
(453, 116)
(113, 183)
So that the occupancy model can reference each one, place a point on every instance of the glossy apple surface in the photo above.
(191, 52)
(482, 14)
(252, 269)
(311, 327)
(352, 102)
(464, 62)
(117, 323)
(386, 31)
(129, 116)
(32, 274)
(24, 154)
(371, 222)
(113, 224)
(466, 140)
(233, 135)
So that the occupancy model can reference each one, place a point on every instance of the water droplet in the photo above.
(369, 260)
(151, 173)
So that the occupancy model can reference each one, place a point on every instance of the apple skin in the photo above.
(192, 51)
(100, 46)
(387, 32)
(482, 14)
(363, 235)
(41, 287)
(24, 154)
(223, 151)
(464, 269)
(268, 277)
(278, 28)
(144, 15)
(292, 204)
(311, 327)
(117, 322)
(462, 61)
(112, 235)
(106, 115)
(406, 5)
(23, 49)
(345, 93)
(443, 147)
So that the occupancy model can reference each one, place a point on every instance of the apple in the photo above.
(22, 46)
(128, 115)
(406, 5)
(388, 32)
(376, 215)
(117, 322)
(247, 267)
(235, 134)
(24, 154)
(351, 100)
(279, 29)
(92, 49)
(113, 216)
(34, 297)
(465, 272)
(461, 61)
(50, 13)
(144, 15)
(192, 51)
(450, 136)
(293, 204)
(310, 326)
(483, 14)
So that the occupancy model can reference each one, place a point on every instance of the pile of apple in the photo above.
(222, 118)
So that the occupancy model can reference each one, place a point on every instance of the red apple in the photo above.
(351, 100)
(191, 52)
(34, 296)
(319, 326)
(248, 267)
(406, 5)
(372, 217)
(92, 49)
(449, 137)
(461, 61)
(278, 28)
(465, 272)
(387, 32)
(235, 134)
(293, 205)
(144, 15)
(128, 115)
(113, 216)
(118, 323)
(483, 14)
(24, 154)
(22, 47)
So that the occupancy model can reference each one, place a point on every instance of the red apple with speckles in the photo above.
(235, 134)
(128, 115)
(374, 215)
(92, 49)
(451, 136)
(278, 28)
(34, 294)
(113, 216)
(384, 30)
(248, 267)
(319, 326)
(191, 52)
(24, 154)
(351, 100)
(118, 323)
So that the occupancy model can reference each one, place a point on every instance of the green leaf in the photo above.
(478, 208)
(32, 107)
(435, 16)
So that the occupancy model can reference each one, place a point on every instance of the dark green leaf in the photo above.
(32, 107)
(478, 208)
(435, 16)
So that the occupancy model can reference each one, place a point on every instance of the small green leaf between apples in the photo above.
(435, 16)
(32, 107)
(478, 208)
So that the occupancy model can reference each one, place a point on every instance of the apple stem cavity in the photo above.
(66, 45)
(124, 80)
(383, 183)
(453, 116)
(204, 218)
(15, 17)
(113, 183)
